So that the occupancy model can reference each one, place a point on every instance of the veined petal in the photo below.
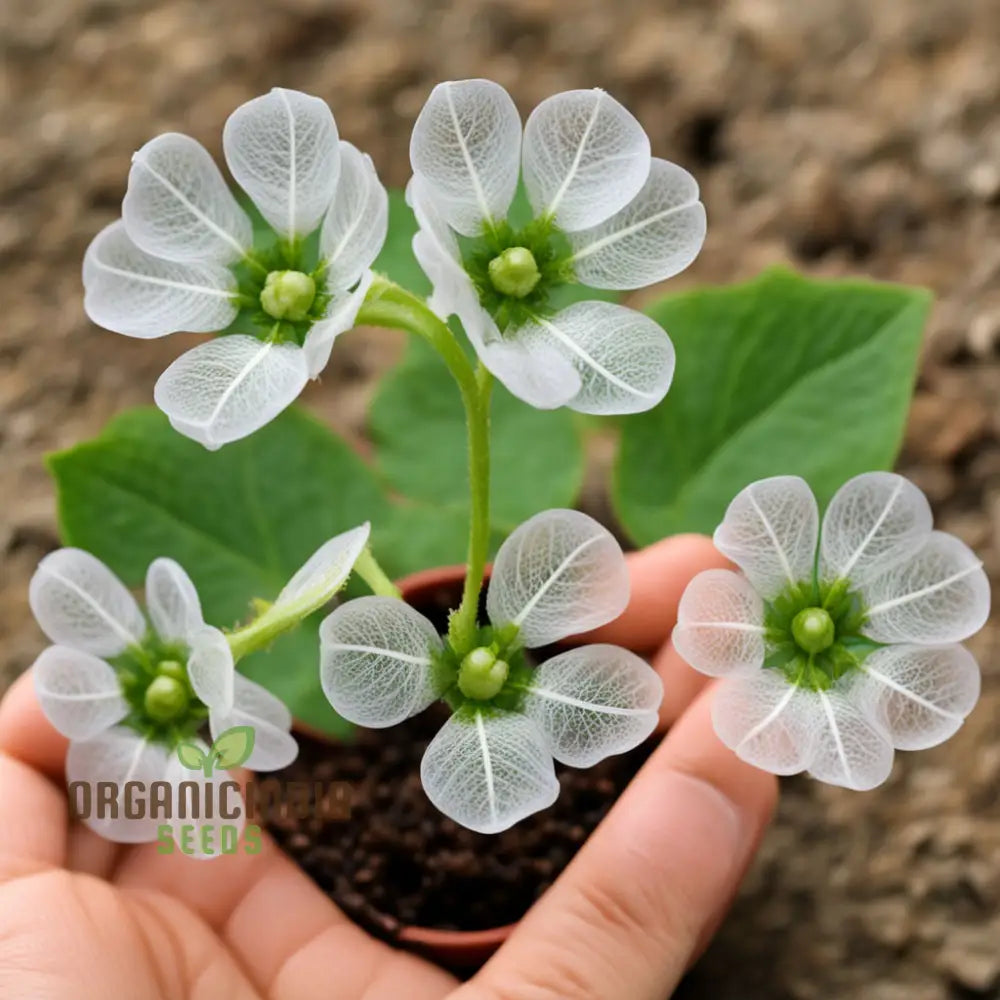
(253, 705)
(178, 206)
(919, 694)
(341, 315)
(283, 150)
(766, 721)
(557, 574)
(466, 144)
(624, 360)
(225, 389)
(79, 602)
(593, 702)
(210, 669)
(375, 661)
(938, 595)
(874, 520)
(585, 157)
(488, 772)
(535, 371)
(78, 693)
(134, 293)
(770, 532)
(356, 223)
(720, 624)
(172, 601)
(849, 749)
(655, 236)
(323, 573)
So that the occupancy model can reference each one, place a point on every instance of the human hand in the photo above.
(84, 918)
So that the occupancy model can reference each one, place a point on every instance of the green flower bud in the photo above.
(813, 630)
(172, 668)
(288, 295)
(481, 675)
(514, 272)
(166, 699)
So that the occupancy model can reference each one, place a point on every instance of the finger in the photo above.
(681, 684)
(26, 734)
(659, 575)
(629, 912)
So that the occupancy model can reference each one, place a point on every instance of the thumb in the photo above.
(629, 914)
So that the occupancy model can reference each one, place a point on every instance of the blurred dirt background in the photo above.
(846, 137)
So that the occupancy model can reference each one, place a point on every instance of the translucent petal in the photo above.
(283, 150)
(940, 594)
(341, 315)
(655, 236)
(593, 702)
(624, 360)
(178, 206)
(770, 532)
(557, 574)
(465, 144)
(488, 772)
(584, 158)
(253, 705)
(720, 624)
(874, 521)
(849, 749)
(210, 669)
(120, 757)
(356, 224)
(78, 693)
(375, 661)
(323, 573)
(79, 602)
(132, 292)
(172, 601)
(535, 371)
(225, 389)
(919, 694)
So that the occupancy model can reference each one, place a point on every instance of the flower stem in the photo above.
(378, 581)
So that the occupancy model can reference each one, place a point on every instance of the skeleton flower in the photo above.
(835, 657)
(491, 764)
(606, 214)
(185, 256)
(127, 691)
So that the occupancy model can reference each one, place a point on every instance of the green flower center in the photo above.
(481, 675)
(514, 272)
(288, 295)
(166, 699)
(813, 630)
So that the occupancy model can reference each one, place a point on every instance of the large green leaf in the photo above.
(779, 375)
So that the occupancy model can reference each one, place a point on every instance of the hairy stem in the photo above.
(378, 581)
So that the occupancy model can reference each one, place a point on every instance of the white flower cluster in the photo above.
(837, 645)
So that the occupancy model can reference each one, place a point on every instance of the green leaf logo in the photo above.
(231, 749)
(191, 756)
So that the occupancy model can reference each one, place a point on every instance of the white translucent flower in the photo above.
(838, 642)
(606, 214)
(184, 256)
(491, 765)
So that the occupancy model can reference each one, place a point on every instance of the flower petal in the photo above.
(720, 624)
(227, 388)
(655, 236)
(375, 661)
(78, 693)
(849, 749)
(874, 520)
(535, 371)
(178, 206)
(119, 756)
(131, 292)
(79, 602)
(210, 669)
(356, 224)
(919, 694)
(341, 314)
(283, 150)
(939, 595)
(488, 772)
(557, 574)
(770, 532)
(172, 601)
(253, 705)
(593, 702)
(323, 573)
(624, 360)
(465, 145)
(765, 721)
(585, 157)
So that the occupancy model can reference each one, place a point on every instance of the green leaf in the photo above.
(782, 375)
(191, 756)
(233, 747)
